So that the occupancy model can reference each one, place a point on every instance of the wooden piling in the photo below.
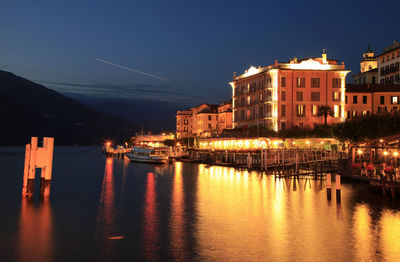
(338, 186)
(328, 186)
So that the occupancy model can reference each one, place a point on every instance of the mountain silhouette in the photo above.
(29, 109)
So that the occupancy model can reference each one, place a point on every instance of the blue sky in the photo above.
(196, 45)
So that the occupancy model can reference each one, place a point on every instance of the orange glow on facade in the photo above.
(285, 95)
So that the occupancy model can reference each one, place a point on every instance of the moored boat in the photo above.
(148, 154)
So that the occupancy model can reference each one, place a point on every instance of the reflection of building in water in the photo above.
(106, 218)
(36, 231)
(150, 223)
(177, 216)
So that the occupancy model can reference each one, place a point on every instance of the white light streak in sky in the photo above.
(130, 69)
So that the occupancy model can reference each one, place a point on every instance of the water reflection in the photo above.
(390, 235)
(177, 216)
(107, 213)
(35, 231)
(150, 220)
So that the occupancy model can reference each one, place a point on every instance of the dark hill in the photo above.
(29, 109)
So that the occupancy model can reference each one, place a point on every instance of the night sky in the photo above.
(195, 45)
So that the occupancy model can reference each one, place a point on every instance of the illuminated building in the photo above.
(285, 95)
(368, 69)
(183, 123)
(368, 99)
(388, 64)
(204, 120)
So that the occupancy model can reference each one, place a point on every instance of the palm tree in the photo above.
(325, 111)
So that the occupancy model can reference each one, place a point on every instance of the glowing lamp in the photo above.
(359, 151)
(385, 153)
(395, 154)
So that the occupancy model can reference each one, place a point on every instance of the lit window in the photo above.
(395, 100)
(336, 96)
(336, 111)
(314, 110)
(301, 110)
(301, 81)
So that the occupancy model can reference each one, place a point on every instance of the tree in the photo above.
(325, 111)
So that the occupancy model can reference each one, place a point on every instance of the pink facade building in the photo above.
(204, 120)
(286, 95)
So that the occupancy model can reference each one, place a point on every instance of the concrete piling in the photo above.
(38, 157)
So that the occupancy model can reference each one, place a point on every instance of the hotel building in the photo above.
(372, 99)
(388, 64)
(286, 95)
(204, 120)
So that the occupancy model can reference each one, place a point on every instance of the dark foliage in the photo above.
(367, 127)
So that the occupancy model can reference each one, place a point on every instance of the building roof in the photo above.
(350, 88)
(211, 109)
(395, 45)
(375, 70)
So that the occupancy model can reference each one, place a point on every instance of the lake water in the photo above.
(104, 209)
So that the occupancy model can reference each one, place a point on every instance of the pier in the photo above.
(282, 162)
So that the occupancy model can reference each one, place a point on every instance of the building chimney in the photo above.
(324, 57)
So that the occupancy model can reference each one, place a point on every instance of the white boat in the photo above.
(148, 154)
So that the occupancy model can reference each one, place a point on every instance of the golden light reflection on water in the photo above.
(390, 235)
(249, 216)
(35, 231)
(177, 215)
(363, 234)
(107, 216)
(150, 220)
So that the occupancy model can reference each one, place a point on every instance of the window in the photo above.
(283, 96)
(364, 99)
(315, 82)
(394, 100)
(283, 81)
(209, 125)
(301, 110)
(364, 112)
(354, 99)
(336, 111)
(314, 110)
(373, 80)
(346, 99)
(315, 96)
(260, 112)
(299, 96)
(185, 128)
(382, 100)
(354, 114)
(209, 117)
(283, 125)
(336, 83)
(300, 82)
(185, 121)
(283, 110)
(336, 96)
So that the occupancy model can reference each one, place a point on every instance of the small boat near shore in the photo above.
(157, 155)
